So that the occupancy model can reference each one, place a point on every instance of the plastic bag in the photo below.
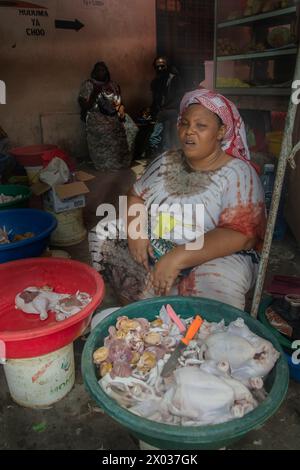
(57, 172)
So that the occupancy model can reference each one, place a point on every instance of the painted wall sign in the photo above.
(68, 24)
(92, 3)
(35, 13)
(36, 29)
(40, 13)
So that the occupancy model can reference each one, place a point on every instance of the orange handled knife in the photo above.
(184, 342)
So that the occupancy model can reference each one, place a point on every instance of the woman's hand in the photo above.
(164, 274)
(140, 250)
(121, 111)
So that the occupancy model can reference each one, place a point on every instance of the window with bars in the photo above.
(185, 34)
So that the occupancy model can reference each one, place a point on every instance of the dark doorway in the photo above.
(185, 34)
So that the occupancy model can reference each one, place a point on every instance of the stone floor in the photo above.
(77, 423)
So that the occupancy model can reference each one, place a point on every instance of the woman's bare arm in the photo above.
(218, 243)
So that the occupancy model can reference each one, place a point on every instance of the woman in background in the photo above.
(103, 112)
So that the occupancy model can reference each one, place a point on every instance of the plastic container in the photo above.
(285, 343)
(57, 254)
(31, 155)
(26, 336)
(70, 228)
(48, 155)
(39, 382)
(169, 437)
(294, 369)
(19, 221)
(15, 190)
(274, 142)
(33, 173)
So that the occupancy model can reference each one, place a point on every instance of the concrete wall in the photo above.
(43, 66)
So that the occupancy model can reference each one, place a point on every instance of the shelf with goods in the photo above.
(254, 62)
(271, 16)
(255, 55)
(260, 55)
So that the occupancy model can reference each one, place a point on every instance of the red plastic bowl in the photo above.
(32, 155)
(26, 335)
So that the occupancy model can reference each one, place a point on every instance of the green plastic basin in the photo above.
(15, 190)
(169, 437)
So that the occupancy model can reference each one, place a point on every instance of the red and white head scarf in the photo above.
(235, 141)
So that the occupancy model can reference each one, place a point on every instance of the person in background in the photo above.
(211, 168)
(167, 91)
(104, 114)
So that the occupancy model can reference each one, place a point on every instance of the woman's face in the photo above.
(200, 133)
(101, 73)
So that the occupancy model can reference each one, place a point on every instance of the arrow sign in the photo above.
(67, 24)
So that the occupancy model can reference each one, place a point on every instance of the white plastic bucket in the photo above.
(33, 173)
(70, 228)
(56, 254)
(41, 381)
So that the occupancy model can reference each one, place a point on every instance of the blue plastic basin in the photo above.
(294, 369)
(20, 221)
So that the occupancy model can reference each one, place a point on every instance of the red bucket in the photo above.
(26, 335)
(32, 155)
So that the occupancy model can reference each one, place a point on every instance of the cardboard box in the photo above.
(83, 176)
(64, 197)
(53, 202)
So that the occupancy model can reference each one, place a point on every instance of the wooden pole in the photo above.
(286, 154)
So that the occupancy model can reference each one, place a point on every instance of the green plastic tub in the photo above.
(167, 437)
(15, 190)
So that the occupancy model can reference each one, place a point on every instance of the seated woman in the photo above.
(211, 168)
(103, 112)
